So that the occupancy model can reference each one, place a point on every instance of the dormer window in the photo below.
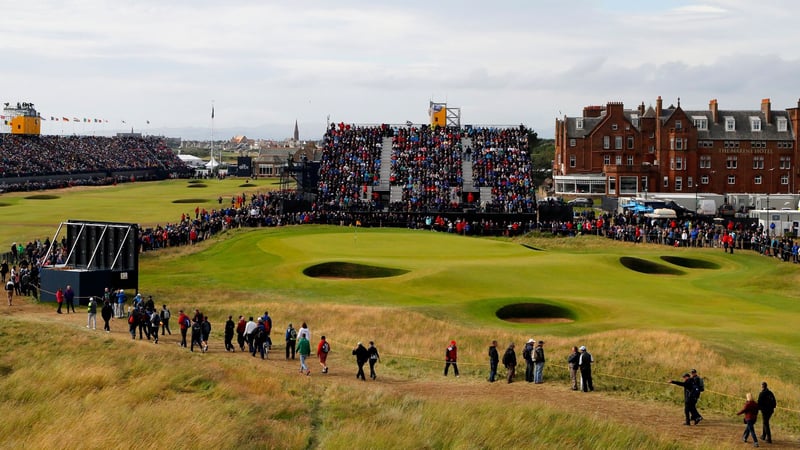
(635, 120)
(782, 124)
(700, 122)
(730, 124)
(755, 123)
(579, 123)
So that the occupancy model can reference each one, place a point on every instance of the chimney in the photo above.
(658, 107)
(641, 109)
(766, 109)
(593, 111)
(712, 106)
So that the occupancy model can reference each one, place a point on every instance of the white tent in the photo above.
(212, 164)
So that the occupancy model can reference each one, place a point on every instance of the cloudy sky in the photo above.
(266, 64)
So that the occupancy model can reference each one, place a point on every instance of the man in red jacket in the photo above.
(322, 352)
(183, 321)
(451, 358)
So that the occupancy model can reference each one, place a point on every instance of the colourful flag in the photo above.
(65, 119)
(75, 119)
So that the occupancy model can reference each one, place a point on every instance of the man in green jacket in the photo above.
(304, 349)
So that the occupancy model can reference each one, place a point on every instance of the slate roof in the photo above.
(769, 131)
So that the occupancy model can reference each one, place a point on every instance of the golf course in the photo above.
(646, 313)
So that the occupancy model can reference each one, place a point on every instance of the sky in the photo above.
(160, 66)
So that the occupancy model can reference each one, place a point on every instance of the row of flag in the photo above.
(67, 119)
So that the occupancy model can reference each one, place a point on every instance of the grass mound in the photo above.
(190, 200)
(197, 185)
(350, 270)
(690, 263)
(649, 267)
(534, 313)
(42, 197)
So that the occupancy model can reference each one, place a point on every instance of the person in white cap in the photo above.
(585, 364)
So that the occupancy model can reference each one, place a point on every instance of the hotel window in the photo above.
(630, 160)
(678, 125)
(784, 179)
(786, 162)
(572, 142)
(612, 185)
(782, 124)
(705, 161)
(700, 122)
(618, 142)
(666, 182)
(572, 161)
(618, 160)
(579, 123)
(730, 124)
(644, 183)
(679, 144)
(689, 182)
(758, 162)
(757, 179)
(731, 162)
(606, 142)
(755, 123)
(679, 163)
(672, 164)
(606, 159)
(652, 149)
(731, 179)
(678, 183)
(704, 179)
(630, 142)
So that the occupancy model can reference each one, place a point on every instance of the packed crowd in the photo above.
(427, 163)
(53, 155)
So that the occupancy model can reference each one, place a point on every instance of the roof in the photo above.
(769, 131)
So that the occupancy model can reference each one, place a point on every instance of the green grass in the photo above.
(730, 316)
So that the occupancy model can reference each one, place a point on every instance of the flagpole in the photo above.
(212, 138)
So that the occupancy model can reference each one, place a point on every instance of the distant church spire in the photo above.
(296, 132)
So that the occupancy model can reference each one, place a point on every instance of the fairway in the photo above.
(647, 313)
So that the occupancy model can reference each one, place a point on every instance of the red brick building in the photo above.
(610, 150)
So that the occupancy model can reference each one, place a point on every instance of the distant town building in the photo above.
(610, 150)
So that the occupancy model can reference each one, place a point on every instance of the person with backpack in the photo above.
(185, 324)
(91, 321)
(205, 329)
(144, 322)
(323, 348)
(689, 398)
(304, 350)
(133, 322)
(362, 356)
(527, 355)
(230, 327)
(165, 315)
(197, 335)
(767, 405)
(155, 324)
(699, 387)
(259, 338)
(291, 341)
(374, 357)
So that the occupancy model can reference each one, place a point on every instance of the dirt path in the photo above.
(715, 430)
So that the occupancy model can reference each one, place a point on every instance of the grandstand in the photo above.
(426, 168)
(30, 162)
